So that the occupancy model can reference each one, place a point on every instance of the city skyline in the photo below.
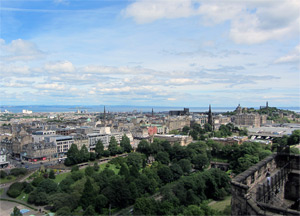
(150, 53)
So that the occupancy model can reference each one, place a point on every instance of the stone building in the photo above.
(271, 187)
(181, 139)
(39, 151)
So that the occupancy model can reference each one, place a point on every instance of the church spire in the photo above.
(152, 113)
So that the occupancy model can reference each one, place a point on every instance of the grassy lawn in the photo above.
(5, 180)
(23, 196)
(1, 191)
(62, 176)
(221, 205)
(219, 160)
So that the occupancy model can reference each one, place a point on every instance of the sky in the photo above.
(184, 53)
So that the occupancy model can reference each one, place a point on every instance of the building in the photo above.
(63, 143)
(39, 151)
(271, 187)
(183, 140)
(26, 111)
(185, 111)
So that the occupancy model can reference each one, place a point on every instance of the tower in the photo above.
(267, 104)
(152, 113)
(104, 113)
(210, 119)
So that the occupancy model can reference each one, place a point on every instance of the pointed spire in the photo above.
(104, 113)
(152, 113)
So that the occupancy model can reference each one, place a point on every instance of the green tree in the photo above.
(185, 165)
(207, 127)
(89, 171)
(162, 157)
(165, 174)
(16, 212)
(113, 146)
(144, 147)
(96, 167)
(92, 156)
(124, 170)
(89, 211)
(3, 174)
(72, 155)
(48, 186)
(145, 206)
(125, 144)
(64, 211)
(176, 170)
(52, 174)
(99, 149)
(200, 161)
(100, 203)
(263, 154)
(84, 154)
(135, 159)
(88, 196)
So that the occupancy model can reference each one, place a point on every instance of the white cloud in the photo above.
(292, 57)
(146, 11)
(250, 21)
(64, 66)
(19, 50)
(50, 86)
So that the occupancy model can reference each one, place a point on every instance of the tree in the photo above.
(135, 159)
(89, 171)
(245, 162)
(165, 174)
(96, 167)
(185, 165)
(200, 161)
(99, 149)
(263, 154)
(207, 127)
(144, 147)
(124, 170)
(89, 211)
(125, 144)
(15, 189)
(176, 170)
(84, 154)
(100, 203)
(162, 157)
(52, 174)
(64, 211)
(113, 146)
(145, 206)
(16, 212)
(72, 155)
(92, 156)
(48, 186)
(3, 174)
(88, 196)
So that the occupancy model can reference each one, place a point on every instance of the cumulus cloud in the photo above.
(64, 66)
(20, 50)
(250, 21)
(292, 57)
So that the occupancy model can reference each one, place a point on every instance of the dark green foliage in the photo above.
(96, 167)
(134, 171)
(64, 211)
(192, 210)
(3, 174)
(89, 211)
(200, 161)
(263, 154)
(176, 170)
(124, 171)
(37, 181)
(28, 188)
(72, 156)
(65, 184)
(165, 174)
(84, 154)
(207, 127)
(89, 171)
(162, 157)
(88, 197)
(135, 159)
(52, 174)
(48, 186)
(185, 165)
(125, 144)
(145, 206)
(15, 189)
(113, 146)
(18, 171)
(16, 212)
(38, 198)
(106, 153)
(59, 200)
(92, 156)
(77, 175)
(245, 162)
(117, 192)
(75, 168)
(99, 149)
(144, 147)
(100, 203)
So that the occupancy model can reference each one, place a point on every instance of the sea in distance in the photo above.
(116, 108)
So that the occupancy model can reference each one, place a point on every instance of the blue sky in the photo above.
(156, 53)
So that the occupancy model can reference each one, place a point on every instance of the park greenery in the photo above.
(157, 179)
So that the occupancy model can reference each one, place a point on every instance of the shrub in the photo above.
(15, 189)
(18, 171)
(3, 174)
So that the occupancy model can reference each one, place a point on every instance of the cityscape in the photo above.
(149, 107)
